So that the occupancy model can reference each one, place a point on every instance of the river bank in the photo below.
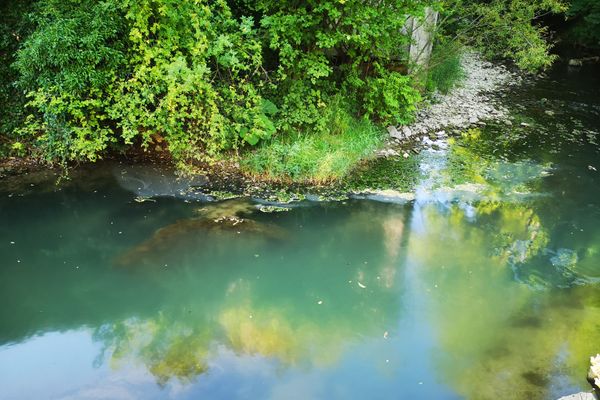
(392, 170)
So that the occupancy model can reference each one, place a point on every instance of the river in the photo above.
(486, 285)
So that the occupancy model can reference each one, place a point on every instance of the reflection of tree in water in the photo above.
(168, 349)
(171, 348)
(499, 338)
(505, 193)
(305, 309)
(533, 345)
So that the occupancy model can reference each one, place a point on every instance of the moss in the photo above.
(385, 173)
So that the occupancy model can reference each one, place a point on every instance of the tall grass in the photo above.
(316, 157)
(445, 68)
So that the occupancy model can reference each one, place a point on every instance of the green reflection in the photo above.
(498, 338)
(254, 298)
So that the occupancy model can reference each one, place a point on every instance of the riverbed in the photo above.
(482, 283)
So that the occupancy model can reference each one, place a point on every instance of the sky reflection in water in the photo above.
(485, 287)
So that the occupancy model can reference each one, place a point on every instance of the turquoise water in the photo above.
(486, 285)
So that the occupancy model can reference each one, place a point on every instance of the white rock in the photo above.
(394, 133)
(594, 372)
(579, 396)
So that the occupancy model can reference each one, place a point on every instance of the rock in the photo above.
(389, 195)
(272, 209)
(179, 235)
(427, 141)
(464, 106)
(388, 153)
(395, 133)
(579, 396)
(593, 376)
(148, 181)
(574, 62)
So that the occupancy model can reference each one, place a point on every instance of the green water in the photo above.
(486, 286)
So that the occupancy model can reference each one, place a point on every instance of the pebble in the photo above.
(463, 106)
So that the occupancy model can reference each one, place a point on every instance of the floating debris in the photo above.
(272, 209)
(142, 199)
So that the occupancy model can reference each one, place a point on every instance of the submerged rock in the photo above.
(564, 259)
(272, 209)
(231, 208)
(221, 218)
(386, 196)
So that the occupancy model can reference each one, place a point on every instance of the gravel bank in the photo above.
(473, 102)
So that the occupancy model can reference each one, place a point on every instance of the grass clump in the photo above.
(320, 157)
(445, 70)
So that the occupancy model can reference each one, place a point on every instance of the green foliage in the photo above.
(505, 28)
(586, 17)
(316, 158)
(68, 67)
(390, 98)
(323, 47)
(207, 77)
(192, 75)
(14, 28)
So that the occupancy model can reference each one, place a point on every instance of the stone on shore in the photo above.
(470, 103)
(579, 396)
(594, 372)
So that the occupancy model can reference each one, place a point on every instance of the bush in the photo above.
(69, 66)
(585, 15)
(504, 29)
(212, 77)
(14, 28)
(206, 77)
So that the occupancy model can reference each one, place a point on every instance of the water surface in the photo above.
(486, 286)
